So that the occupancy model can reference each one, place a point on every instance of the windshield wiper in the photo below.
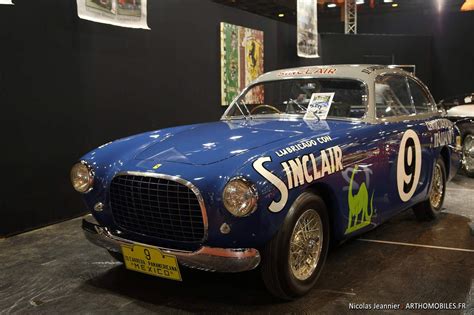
(305, 109)
(297, 104)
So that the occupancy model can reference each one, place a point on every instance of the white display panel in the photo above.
(124, 13)
(307, 28)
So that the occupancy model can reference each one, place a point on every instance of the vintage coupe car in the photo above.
(460, 110)
(268, 186)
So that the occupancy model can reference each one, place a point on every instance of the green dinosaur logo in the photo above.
(359, 215)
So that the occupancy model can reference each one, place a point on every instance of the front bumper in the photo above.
(206, 258)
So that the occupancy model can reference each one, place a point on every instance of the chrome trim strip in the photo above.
(181, 181)
(205, 258)
(402, 68)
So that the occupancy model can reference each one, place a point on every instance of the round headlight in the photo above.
(240, 197)
(82, 177)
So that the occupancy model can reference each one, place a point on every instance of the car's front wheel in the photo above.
(431, 208)
(468, 154)
(294, 258)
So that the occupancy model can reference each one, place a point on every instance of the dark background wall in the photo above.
(363, 49)
(67, 86)
(452, 47)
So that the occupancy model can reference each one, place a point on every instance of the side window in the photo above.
(392, 96)
(421, 101)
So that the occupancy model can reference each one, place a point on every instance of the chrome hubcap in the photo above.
(468, 153)
(437, 187)
(305, 245)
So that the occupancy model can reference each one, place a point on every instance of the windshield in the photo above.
(292, 97)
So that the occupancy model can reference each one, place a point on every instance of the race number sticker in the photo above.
(408, 165)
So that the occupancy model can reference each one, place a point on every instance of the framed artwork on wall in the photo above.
(124, 13)
(242, 61)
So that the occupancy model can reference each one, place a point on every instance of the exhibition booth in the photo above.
(269, 156)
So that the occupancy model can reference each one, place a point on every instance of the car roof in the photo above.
(363, 72)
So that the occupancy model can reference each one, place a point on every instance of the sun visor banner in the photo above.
(6, 2)
(124, 13)
(307, 28)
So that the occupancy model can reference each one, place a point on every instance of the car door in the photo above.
(406, 140)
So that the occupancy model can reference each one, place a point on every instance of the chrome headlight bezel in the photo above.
(252, 200)
(90, 179)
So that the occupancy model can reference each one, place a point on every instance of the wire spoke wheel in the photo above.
(468, 153)
(437, 187)
(294, 258)
(305, 245)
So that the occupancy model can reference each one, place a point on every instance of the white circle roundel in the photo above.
(408, 165)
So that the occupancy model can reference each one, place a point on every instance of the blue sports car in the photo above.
(302, 157)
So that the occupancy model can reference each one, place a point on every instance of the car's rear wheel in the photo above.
(292, 261)
(468, 154)
(431, 208)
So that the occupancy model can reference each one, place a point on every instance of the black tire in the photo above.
(426, 211)
(116, 256)
(276, 270)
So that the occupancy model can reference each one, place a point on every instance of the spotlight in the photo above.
(360, 1)
(468, 5)
(332, 5)
(439, 5)
(395, 5)
(387, 1)
(280, 15)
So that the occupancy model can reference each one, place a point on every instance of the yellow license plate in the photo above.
(151, 261)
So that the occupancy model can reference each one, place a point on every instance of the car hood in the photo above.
(213, 142)
(461, 111)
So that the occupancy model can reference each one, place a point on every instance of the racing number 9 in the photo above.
(408, 165)
(147, 254)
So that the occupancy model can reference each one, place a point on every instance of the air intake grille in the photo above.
(156, 207)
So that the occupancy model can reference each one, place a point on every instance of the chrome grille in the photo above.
(157, 207)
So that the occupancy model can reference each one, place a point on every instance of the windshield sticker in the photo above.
(319, 106)
(306, 71)
(359, 214)
(300, 171)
